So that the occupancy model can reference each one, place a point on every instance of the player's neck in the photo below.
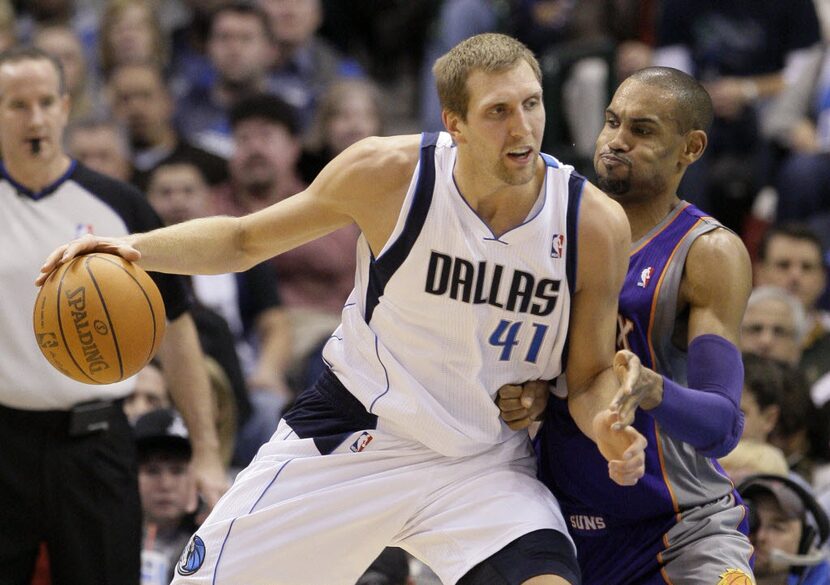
(501, 206)
(36, 174)
(644, 215)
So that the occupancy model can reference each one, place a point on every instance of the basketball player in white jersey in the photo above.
(467, 279)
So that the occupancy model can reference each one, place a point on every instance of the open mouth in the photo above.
(520, 155)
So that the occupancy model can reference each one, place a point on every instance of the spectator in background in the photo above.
(165, 485)
(762, 401)
(241, 49)
(790, 256)
(81, 17)
(150, 392)
(316, 278)
(799, 122)
(131, 33)
(774, 325)
(141, 102)
(62, 42)
(802, 431)
(102, 146)
(8, 25)
(248, 301)
(786, 519)
(350, 109)
(742, 52)
(305, 64)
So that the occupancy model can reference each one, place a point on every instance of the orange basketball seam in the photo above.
(60, 322)
(109, 319)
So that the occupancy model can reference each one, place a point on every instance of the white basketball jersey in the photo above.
(449, 312)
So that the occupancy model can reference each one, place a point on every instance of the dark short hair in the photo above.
(243, 8)
(20, 53)
(265, 106)
(693, 104)
(794, 230)
(764, 379)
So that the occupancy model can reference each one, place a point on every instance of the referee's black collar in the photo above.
(48, 189)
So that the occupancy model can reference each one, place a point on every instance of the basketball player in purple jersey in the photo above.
(680, 310)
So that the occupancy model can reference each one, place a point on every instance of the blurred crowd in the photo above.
(222, 106)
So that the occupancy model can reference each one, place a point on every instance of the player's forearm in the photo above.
(187, 378)
(586, 403)
(210, 245)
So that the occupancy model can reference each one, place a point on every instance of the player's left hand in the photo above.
(521, 405)
(639, 387)
(623, 448)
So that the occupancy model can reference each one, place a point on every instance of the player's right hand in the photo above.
(85, 245)
(522, 405)
(624, 448)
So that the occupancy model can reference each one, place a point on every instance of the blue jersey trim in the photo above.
(51, 188)
(382, 269)
(576, 184)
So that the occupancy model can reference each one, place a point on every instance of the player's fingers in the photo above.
(621, 476)
(50, 264)
(510, 391)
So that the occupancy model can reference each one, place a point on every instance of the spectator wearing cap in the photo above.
(787, 528)
(316, 278)
(165, 485)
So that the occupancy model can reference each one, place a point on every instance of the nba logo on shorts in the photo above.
(361, 442)
(192, 557)
(557, 245)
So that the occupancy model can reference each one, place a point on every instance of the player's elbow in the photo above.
(733, 427)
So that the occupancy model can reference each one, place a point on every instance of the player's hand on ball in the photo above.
(623, 448)
(522, 405)
(84, 245)
(639, 387)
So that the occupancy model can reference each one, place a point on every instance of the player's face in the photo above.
(164, 485)
(178, 193)
(768, 330)
(505, 122)
(774, 531)
(795, 265)
(32, 110)
(637, 152)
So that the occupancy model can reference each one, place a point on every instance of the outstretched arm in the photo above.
(365, 184)
(706, 413)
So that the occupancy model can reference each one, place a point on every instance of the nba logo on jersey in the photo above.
(557, 245)
(83, 229)
(361, 442)
(645, 276)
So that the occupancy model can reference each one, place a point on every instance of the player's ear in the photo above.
(452, 122)
(696, 141)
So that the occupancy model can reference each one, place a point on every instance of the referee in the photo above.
(67, 459)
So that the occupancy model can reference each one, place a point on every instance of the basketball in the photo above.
(99, 318)
(735, 577)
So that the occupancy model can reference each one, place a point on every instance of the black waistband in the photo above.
(329, 386)
(50, 419)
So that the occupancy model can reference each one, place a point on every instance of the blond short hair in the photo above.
(488, 52)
